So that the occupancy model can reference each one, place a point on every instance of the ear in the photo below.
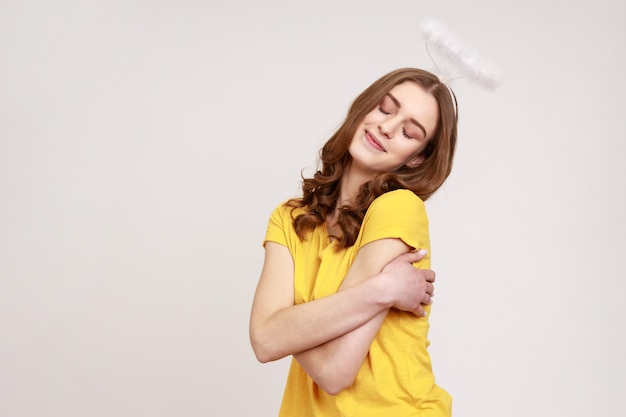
(415, 161)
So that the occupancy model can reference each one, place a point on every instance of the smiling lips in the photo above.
(374, 141)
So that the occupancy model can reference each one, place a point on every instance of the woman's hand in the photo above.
(412, 287)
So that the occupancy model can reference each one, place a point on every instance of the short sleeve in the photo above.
(276, 227)
(397, 214)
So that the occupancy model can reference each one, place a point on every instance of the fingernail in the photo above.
(422, 252)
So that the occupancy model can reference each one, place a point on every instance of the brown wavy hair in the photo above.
(321, 192)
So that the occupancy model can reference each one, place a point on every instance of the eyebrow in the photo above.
(415, 122)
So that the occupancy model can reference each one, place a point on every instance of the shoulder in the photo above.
(398, 201)
(285, 212)
(280, 225)
(397, 214)
(399, 207)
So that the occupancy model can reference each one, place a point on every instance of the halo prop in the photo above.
(461, 62)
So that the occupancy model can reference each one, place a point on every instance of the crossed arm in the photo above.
(330, 337)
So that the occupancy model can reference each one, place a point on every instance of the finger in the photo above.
(413, 256)
(429, 275)
(420, 253)
(420, 312)
(426, 300)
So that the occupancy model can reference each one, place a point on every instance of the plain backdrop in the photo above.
(143, 145)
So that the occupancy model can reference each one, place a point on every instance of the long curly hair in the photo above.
(321, 192)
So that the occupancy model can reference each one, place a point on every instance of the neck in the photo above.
(350, 183)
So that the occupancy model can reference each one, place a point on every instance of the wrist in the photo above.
(384, 294)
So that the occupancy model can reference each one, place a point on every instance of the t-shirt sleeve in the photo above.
(397, 214)
(276, 227)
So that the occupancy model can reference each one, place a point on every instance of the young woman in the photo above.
(338, 290)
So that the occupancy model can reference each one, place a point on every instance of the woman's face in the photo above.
(396, 132)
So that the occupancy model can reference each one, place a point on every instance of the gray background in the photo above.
(143, 145)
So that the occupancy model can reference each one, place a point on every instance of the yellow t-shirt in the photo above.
(396, 378)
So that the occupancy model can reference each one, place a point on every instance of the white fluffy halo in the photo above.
(464, 63)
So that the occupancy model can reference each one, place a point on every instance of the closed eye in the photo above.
(411, 131)
(387, 106)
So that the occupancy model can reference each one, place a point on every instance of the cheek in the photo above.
(423, 145)
(412, 148)
(372, 117)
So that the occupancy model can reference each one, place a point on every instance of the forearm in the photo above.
(334, 365)
(298, 328)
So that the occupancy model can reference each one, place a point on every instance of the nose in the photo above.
(387, 127)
